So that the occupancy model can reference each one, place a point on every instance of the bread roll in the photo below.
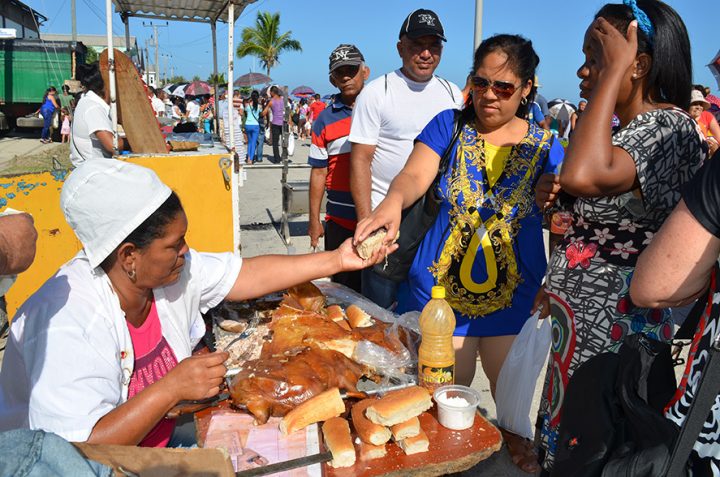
(335, 313)
(371, 244)
(370, 452)
(399, 406)
(368, 431)
(358, 318)
(318, 408)
(409, 428)
(232, 326)
(308, 296)
(336, 433)
(415, 445)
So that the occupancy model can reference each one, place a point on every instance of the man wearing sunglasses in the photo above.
(388, 115)
(330, 157)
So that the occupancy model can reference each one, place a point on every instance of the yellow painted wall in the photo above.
(197, 179)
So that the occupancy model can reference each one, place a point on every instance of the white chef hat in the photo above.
(104, 200)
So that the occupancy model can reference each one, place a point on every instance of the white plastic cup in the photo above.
(454, 415)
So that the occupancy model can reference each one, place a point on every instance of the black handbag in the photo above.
(418, 218)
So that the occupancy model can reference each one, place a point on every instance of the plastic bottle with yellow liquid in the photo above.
(436, 355)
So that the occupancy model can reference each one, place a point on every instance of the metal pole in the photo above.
(236, 168)
(478, 24)
(157, 56)
(73, 20)
(213, 29)
(111, 73)
(231, 63)
(126, 21)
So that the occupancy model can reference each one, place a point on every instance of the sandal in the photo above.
(522, 452)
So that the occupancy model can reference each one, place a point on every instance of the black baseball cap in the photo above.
(345, 54)
(422, 22)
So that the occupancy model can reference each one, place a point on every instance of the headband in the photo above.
(644, 22)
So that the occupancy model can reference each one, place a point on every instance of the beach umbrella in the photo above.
(178, 90)
(251, 79)
(561, 109)
(303, 91)
(197, 88)
(713, 100)
(715, 67)
(328, 97)
(168, 87)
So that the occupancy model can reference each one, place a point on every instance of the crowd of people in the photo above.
(636, 179)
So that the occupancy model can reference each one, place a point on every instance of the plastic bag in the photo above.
(519, 374)
(291, 144)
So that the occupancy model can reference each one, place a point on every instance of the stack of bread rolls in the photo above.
(394, 416)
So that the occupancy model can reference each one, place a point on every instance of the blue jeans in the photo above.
(26, 453)
(47, 115)
(259, 144)
(252, 134)
(378, 289)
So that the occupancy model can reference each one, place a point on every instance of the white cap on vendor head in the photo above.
(105, 200)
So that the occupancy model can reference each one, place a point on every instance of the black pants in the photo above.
(276, 133)
(334, 236)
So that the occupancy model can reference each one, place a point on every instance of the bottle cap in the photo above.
(438, 292)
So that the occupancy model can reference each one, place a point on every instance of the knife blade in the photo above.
(287, 465)
(380, 390)
(187, 407)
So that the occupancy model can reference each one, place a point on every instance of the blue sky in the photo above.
(555, 27)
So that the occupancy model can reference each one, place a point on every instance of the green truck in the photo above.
(27, 68)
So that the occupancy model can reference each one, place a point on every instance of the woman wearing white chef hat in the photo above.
(102, 351)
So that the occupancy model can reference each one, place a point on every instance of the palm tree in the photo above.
(265, 41)
(216, 80)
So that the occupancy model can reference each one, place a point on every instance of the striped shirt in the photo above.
(330, 148)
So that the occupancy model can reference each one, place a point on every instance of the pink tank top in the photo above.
(153, 359)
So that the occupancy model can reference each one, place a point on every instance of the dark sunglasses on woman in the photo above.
(501, 89)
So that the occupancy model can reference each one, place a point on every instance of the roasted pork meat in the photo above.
(275, 385)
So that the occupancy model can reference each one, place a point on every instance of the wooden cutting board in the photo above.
(449, 452)
(135, 112)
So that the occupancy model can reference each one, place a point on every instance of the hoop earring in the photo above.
(132, 274)
(524, 101)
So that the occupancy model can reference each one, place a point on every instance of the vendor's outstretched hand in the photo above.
(547, 190)
(351, 261)
(197, 377)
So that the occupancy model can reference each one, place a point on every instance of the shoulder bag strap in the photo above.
(447, 87)
(445, 158)
(697, 414)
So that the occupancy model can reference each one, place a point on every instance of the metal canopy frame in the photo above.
(199, 11)
(203, 11)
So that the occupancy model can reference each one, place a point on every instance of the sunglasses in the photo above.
(501, 89)
(346, 70)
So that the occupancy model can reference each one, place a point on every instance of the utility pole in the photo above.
(165, 76)
(147, 61)
(73, 20)
(157, 47)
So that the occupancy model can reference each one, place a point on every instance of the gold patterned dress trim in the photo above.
(471, 238)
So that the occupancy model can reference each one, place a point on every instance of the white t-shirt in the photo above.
(391, 120)
(91, 115)
(158, 105)
(69, 356)
(193, 111)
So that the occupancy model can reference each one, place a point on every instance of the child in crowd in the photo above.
(65, 125)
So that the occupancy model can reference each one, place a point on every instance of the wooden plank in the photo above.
(135, 112)
(450, 451)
